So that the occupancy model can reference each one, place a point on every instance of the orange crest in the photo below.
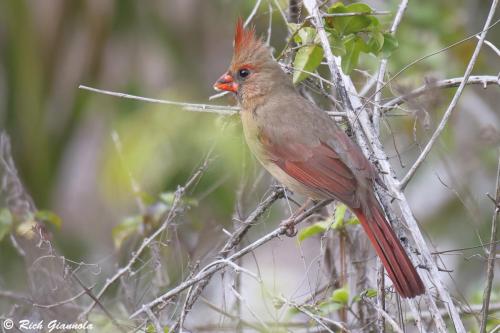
(243, 37)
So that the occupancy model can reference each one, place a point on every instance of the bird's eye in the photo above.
(243, 73)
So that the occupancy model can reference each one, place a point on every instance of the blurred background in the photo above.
(63, 146)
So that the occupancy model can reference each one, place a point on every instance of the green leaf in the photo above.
(352, 221)
(376, 42)
(340, 296)
(336, 44)
(308, 58)
(390, 44)
(50, 217)
(6, 222)
(370, 292)
(349, 24)
(358, 8)
(356, 299)
(306, 35)
(339, 216)
(329, 307)
(150, 328)
(314, 229)
(353, 48)
(125, 229)
(336, 6)
(374, 22)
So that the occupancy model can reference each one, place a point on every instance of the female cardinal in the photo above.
(304, 149)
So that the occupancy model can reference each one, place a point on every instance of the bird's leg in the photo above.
(289, 223)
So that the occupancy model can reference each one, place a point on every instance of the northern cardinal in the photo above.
(303, 148)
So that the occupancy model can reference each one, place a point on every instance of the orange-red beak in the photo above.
(226, 83)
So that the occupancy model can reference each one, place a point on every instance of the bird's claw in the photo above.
(289, 227)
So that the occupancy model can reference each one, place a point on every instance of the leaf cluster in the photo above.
(349, 36)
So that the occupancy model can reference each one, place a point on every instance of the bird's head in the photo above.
(253, 72)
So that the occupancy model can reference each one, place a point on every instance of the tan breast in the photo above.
(252, 131)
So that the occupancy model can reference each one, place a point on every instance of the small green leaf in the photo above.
(356, 299)
(6, 222)
(308, 58)
(329, 307)
(353, 220)
(125, 229)
(376, 42)
(336, 44)
(358, 8)
(335, 7)
(390, 44)
(314, 229)
(150, 328)
(50, 217)
(293, 27)
(340, 296)
(305, 36)
(349, 24)
(370, 292)
(339, 216)
(353, 48)
(374, 22)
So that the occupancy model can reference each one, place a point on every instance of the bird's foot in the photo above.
(289, 226)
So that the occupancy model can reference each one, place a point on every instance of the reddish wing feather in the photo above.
(319, 168)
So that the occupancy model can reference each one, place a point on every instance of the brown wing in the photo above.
(318, 167)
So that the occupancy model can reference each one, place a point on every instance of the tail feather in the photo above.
(394, 258)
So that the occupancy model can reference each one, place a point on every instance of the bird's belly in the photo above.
(293, 184)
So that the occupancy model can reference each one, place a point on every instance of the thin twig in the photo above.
(231, 243)
(492, 254)
(416, 61)
(15, 296)
(373, 12)
(154, 320)
(88, 291)
(206, 272)
(219, 109)
(380, 296)
(491, 46)
(252, 14)
(69, 300)
(383, 66)
(471, 310)
(384, 314)
(318, 319)
(165, 221)
(454, 101)
(483, 80)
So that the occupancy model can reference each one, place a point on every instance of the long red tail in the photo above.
(394, 258)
